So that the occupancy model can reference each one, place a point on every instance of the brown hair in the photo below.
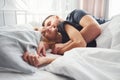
(43, 23)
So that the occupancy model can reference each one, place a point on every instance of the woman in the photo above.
(78, 30)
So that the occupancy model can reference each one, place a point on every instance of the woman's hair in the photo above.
(43, 23)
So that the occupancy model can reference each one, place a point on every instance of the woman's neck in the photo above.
(58, 38)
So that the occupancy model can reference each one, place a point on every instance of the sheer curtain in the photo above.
(33, 11)
(98, 8)
(9, 10)
(39, 9)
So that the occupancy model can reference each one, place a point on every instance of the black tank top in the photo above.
(73, 19)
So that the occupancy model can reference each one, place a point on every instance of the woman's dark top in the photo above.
(73, 19)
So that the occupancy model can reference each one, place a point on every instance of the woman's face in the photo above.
(50, 32)
(52, 21)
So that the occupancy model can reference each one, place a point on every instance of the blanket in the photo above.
(14, 41)
(88, 64)
(101, 63)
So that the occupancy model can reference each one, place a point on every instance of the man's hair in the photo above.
(43, 23)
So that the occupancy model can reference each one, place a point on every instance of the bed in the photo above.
(101, 63)
(40, 74)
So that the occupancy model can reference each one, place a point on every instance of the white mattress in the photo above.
(39, 75)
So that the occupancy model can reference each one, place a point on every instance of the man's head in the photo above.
(51, 20)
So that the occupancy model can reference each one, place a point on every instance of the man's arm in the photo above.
(76, 41)
(91, 28)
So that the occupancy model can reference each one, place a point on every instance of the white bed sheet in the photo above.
(40, 74)
(98, 64)
(88, 64)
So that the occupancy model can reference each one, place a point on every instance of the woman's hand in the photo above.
(41, 50)
(57, 47)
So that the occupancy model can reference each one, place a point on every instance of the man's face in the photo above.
(52, 21)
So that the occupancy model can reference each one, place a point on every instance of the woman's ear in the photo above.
(57, 17)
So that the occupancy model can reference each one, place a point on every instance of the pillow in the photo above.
(105, 38)
(115, 31)
(109, 37)
(13, 43)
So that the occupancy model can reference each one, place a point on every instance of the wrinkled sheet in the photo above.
(101, 63)
(14, 41)
(88, 64)
(40, 74)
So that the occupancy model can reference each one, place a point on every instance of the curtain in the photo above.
(13, 5)
(33, 11)
(9, 10)
(98, 8)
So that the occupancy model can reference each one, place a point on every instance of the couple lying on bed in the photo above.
(78, 30)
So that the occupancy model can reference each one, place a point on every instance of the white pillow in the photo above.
(109, 37)
(105, 38)
(115, 31)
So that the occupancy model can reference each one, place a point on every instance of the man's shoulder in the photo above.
(76, 14)
(78, 10)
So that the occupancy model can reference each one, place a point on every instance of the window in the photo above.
(34, 11)
(39, 9)
(114, 8)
